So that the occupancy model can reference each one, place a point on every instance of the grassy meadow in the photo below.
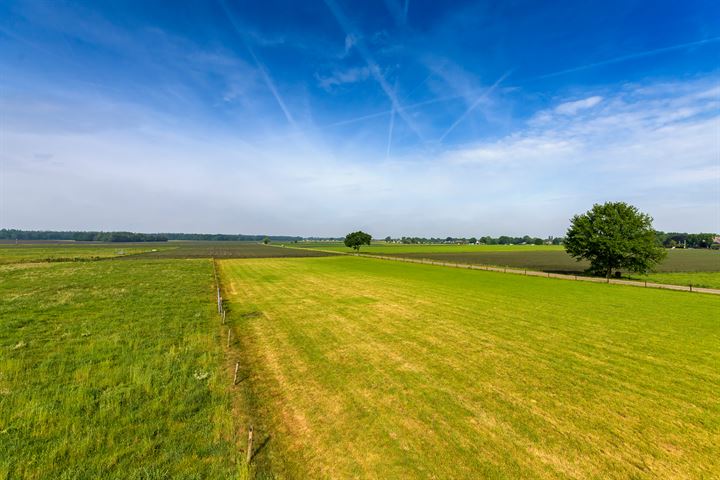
(442, 248)
(230, 249)
(22, 253)
(113, 369)
(697, 267)
(348, 367)
(368, 368)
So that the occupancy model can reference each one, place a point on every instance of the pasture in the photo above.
(697, 267)
(191, 249)
(370, 368)
(44, 252)
(435, 248)
(113, 369)
(348, 367)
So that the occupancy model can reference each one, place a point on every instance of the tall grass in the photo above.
(113, 370)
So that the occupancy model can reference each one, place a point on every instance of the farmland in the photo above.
(440, 248)
(348, 367)
(696, 267)
(229, 250)
(10, 253)
(369, 368)
(557, 260)
(110, 369)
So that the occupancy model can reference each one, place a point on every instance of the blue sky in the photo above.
(400, 117)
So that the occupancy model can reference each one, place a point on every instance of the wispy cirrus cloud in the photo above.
(532, 180)
(571, 108)
(343, 77)
(373, 67)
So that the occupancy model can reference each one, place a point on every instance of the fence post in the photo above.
(249, 445)
(229, 332)
(691, 287)
(237, 365)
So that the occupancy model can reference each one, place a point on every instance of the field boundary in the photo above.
(533, 273)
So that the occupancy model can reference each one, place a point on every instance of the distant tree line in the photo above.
(487, 240)
(685, 240)
(14, 234)
(229, 237)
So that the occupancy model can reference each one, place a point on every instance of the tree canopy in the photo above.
(355, 239)
(614, 236)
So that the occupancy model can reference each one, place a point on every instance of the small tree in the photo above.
(266, 240)
(355, 239)
(614, 236)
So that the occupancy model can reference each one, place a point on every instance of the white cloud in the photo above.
(134, 169)
(342, 77)
(350, 41)
(572, 108)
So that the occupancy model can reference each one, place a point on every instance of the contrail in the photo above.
(260, 66)
(474, 104)
(392, 124)
(373, 66)
(631, 56)
(271, 86)
(398, 10)
(388, 112)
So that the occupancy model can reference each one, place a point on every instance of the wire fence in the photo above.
(222, 312)
(535, 273)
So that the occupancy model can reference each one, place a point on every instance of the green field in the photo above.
(696, 267)
(396, 248)
(696, 279)
(113, 369)
(376, 369)
(700, 268)
(71, 252)
(182, 249)
(348, 367)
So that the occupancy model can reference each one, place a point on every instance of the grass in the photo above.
(375, 369)
(113, 369)
(229, 250)
(696, 279)
(695, 260)
(64, 252)
(397, 248)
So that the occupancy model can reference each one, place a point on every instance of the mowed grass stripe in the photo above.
(372, 368)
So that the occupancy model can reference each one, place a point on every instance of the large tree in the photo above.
(355, 239)
(614, 236)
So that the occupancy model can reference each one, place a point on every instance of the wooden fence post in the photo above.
(237, 365)
(229, 332)
(249, 445)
